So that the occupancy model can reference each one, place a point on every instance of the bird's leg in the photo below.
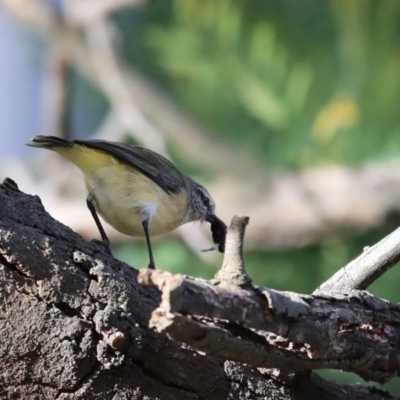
(90, 201)
(145, 224)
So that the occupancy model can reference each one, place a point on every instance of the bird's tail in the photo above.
(49, 142)
(84, 157)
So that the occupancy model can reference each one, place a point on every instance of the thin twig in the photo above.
(367, 268)
(233, 268)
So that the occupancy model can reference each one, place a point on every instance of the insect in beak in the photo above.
(218, 230)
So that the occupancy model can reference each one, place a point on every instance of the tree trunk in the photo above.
(74, 324)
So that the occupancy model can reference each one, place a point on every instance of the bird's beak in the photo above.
(213, 219)
(218, 230)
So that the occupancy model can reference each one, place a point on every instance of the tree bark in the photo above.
(74, 324)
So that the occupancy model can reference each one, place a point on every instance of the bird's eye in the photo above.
(206, 201)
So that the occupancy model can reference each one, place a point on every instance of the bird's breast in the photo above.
(123, 196)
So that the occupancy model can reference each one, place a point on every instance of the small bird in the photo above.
(134, 189)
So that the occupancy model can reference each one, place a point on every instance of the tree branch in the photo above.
(272, 329)
(68, 304)
(368, 267)
(284, 327)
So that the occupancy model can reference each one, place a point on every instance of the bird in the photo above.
(136, 190)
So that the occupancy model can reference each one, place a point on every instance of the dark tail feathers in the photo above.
(47, 142)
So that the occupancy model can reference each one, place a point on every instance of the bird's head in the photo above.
(202, 208)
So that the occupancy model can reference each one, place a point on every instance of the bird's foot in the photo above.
(104, 244)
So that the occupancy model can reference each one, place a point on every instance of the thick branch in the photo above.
(305, 332)
(204, 337)
(74, 321)
(68, 304)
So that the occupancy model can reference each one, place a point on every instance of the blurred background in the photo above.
(287, 111)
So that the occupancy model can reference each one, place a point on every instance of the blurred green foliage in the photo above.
(294, 83)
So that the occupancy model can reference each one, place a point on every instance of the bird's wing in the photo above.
(153, 165)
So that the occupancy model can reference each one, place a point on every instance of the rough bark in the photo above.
(74, 324)
(353, 331)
